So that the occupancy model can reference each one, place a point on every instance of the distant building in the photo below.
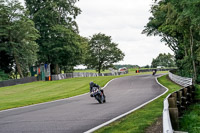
(80, 67)
(160, 67)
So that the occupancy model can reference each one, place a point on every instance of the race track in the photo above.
(79, 114)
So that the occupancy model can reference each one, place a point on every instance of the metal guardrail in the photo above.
(167, 126)
(85, 74)
(158, 69)
(183, 81)
(174, 105)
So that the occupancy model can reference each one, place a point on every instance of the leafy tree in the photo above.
(67, 48)
(128, 66)
(17, 35)
(177, 22)
(59, 43)
(166, 60)
(102, 52)
(147, 66)
(6, 61)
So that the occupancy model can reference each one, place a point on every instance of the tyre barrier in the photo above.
(174, 105)
(17, 81)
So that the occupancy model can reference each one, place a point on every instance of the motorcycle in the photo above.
(98, 95)
(154, 72)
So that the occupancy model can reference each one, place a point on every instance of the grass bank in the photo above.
(43, 91)
(140, 120)
(190, 121)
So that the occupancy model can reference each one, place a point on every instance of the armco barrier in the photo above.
(174, 105)
(167, 126)
(57, 77)
(17, 81)
(158, 69)
(84, 74)
(62, 76)
(183, 81)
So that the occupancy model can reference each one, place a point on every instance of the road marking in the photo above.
(120, 116)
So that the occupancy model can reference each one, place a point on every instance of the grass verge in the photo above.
(190, 121)
(140, 120)
(43, 91)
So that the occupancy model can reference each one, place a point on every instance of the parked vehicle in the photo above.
(98, 95)
(122, 69)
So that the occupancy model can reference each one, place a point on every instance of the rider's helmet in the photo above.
(91, 84)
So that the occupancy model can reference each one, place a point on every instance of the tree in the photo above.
(6, 61)
(67, 49)
(128, 66)
(147, 66)
(166, 60)
(102, 52)
(177, 22)
(17, 35)
(59, 43)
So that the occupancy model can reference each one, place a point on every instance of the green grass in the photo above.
(38, 92)
(44, 91)
(190, 121)
(140, 120)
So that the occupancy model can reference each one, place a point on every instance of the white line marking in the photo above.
(120, 116)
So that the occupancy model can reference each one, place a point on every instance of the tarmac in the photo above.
(82, 113)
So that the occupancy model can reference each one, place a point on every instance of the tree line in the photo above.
(163, 60)
(177, 23)
(47, 32)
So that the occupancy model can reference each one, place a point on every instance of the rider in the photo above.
(92, 84)
(154, 71)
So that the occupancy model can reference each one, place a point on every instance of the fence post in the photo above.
(173, 111)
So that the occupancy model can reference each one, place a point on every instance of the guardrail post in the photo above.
(186, 97)
(172, 102)
(179, 102)
(192, 93)
(174, 118)
(173, 111)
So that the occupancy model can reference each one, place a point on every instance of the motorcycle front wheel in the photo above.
(104, 100)
(98, 98)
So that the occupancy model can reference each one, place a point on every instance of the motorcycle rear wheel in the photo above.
(104, 100)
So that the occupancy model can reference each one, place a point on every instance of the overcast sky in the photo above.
(124, 21)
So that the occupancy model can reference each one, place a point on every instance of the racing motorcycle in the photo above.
(154, 72)
(98, 95)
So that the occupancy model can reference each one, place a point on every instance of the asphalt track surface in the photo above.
(79, 114)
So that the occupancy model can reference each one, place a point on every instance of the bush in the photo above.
(3, 75)
(198, 79)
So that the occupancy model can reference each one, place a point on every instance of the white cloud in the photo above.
(124, 21)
